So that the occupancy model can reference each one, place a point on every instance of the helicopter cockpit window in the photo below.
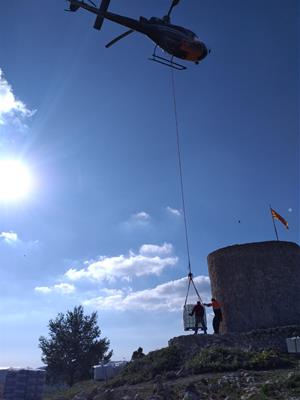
(187, 32)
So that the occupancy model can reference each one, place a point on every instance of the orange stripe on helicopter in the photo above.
(192, 54)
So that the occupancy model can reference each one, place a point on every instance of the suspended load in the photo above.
(189, 322)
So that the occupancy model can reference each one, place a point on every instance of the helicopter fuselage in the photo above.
(175, 40)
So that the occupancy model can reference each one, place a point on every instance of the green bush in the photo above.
(267, 359)
(134, 372)
(155, 363)
(216, 359)
(229, 359)
(212, 359)
(164, 360)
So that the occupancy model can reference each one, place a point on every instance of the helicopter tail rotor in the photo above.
(72, 7)
(101, 14)
(76, 4)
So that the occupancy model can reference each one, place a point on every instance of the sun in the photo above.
(15, 180)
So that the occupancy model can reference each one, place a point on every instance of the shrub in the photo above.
(164, 360)
(229, 359)
(216, 359)
(155, 363)
(267, 359)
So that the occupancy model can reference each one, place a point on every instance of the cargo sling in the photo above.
(187, 321)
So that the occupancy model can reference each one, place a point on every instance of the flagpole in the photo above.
(275, 229)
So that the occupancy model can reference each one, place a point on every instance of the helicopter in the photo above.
(177, 41)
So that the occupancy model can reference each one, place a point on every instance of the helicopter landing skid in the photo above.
(166, 62)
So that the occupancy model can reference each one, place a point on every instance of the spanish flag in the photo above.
(280, 218)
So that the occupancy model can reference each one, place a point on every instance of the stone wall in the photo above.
(258, 285)
(255, 340)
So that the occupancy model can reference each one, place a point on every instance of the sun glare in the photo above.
(15, 180)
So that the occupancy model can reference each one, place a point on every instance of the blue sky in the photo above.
(102, 225)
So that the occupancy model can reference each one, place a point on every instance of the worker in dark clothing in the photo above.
(137, 354)
(198, 310)
(218, 314)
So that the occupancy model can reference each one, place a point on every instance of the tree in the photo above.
(73, 347)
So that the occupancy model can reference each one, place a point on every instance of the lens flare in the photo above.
(15, 180)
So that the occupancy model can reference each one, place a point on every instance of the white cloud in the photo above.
(111, 292)
(64, 288)
(9, 237)
(61, 288)
(169, 296)
(147, 249)
(43, 289)
(125, 267)
(11, 109)
(141, 216)
(139, 220)
(173, 211)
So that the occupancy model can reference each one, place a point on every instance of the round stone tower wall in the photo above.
(258, 285)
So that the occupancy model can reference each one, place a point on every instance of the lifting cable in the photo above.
(180, 173)
(190, 275)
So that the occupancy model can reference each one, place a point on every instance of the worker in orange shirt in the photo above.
(218, 314)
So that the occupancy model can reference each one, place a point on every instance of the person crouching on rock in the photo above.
(198, 310)
(218, 314)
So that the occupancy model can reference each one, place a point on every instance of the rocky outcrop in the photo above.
(255, 340)
(243, 385)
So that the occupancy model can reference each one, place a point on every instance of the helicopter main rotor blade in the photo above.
(174, 3)
(119, 38)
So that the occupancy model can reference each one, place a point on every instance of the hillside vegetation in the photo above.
(211, 373)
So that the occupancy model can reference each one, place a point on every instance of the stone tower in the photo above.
(258, 285)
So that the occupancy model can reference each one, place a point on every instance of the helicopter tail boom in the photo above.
(73, 7)
(101, 14)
